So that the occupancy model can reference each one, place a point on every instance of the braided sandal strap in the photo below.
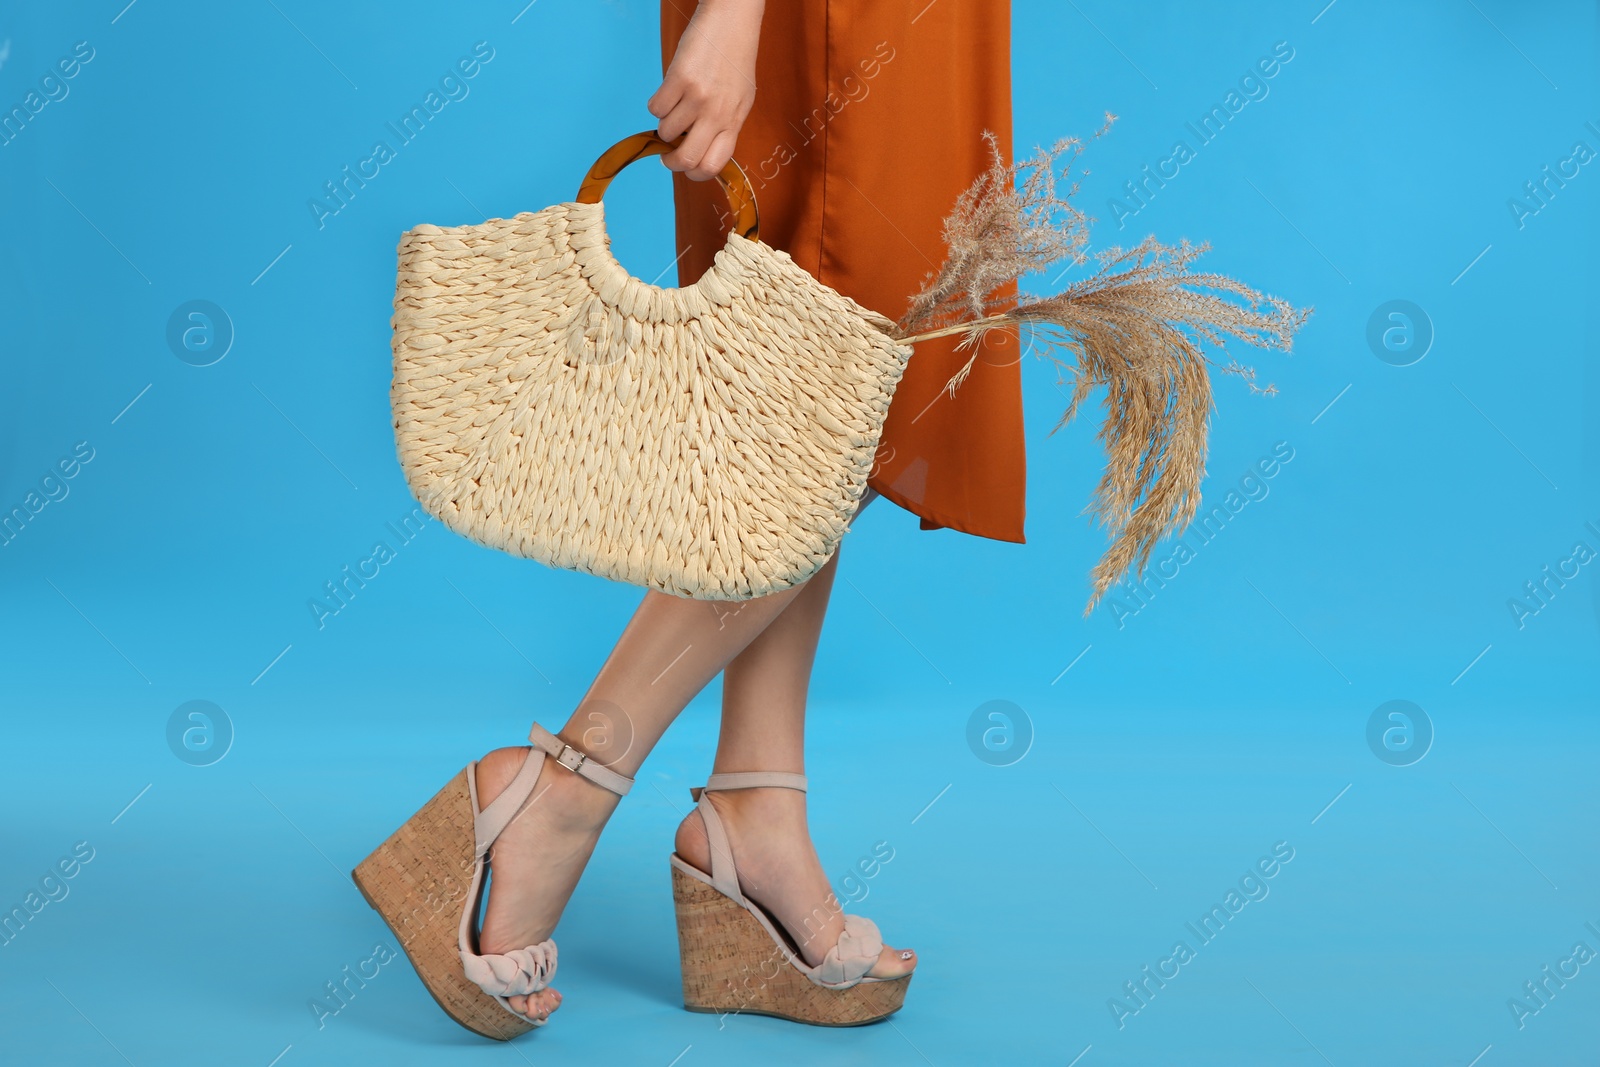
(521, 971)
(859, 946)
(512, 974)
(857, 951)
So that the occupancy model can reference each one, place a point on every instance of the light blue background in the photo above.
(1224, 717)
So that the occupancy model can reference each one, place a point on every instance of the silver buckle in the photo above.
(571, 758)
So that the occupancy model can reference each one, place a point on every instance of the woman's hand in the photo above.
(710, 86)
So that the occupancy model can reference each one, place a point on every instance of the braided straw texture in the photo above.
(709, 442)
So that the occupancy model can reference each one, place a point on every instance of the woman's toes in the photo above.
(894, 963)
(536, 1005)
(544, 1002)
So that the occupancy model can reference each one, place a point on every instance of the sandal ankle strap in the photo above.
(490, 822)
(756, 780)
(579, 762)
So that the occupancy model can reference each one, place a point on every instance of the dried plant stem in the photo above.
(1135, 325)
(988, 322)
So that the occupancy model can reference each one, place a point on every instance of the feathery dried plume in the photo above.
(1135, 325)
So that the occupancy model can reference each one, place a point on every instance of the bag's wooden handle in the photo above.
(741, 198)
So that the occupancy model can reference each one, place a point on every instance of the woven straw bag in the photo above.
(711, 441)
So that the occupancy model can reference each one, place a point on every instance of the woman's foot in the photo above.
(779, 869)
(538, 858)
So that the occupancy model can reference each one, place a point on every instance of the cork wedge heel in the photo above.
(737, 958)
(427, 882)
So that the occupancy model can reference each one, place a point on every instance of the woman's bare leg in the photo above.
(669, 651)
(763, 729)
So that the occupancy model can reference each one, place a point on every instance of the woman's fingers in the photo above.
(677, 121)
(704, 152)
(669, 96)
(709, 87)
(688, 155)
(716, 156)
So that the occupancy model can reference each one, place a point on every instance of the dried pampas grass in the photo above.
(1135, 325)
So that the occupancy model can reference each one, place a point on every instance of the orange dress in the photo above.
(867, 126)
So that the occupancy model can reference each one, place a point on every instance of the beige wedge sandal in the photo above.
(738, 958)
(437, 862)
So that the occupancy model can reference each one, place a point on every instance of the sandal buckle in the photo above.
(572, 759)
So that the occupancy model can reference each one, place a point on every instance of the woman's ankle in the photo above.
(576, 802)
(752, 817)
(563, 799)
(776, 813)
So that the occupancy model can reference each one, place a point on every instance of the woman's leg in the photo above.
(763, 729)
(669, 651)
